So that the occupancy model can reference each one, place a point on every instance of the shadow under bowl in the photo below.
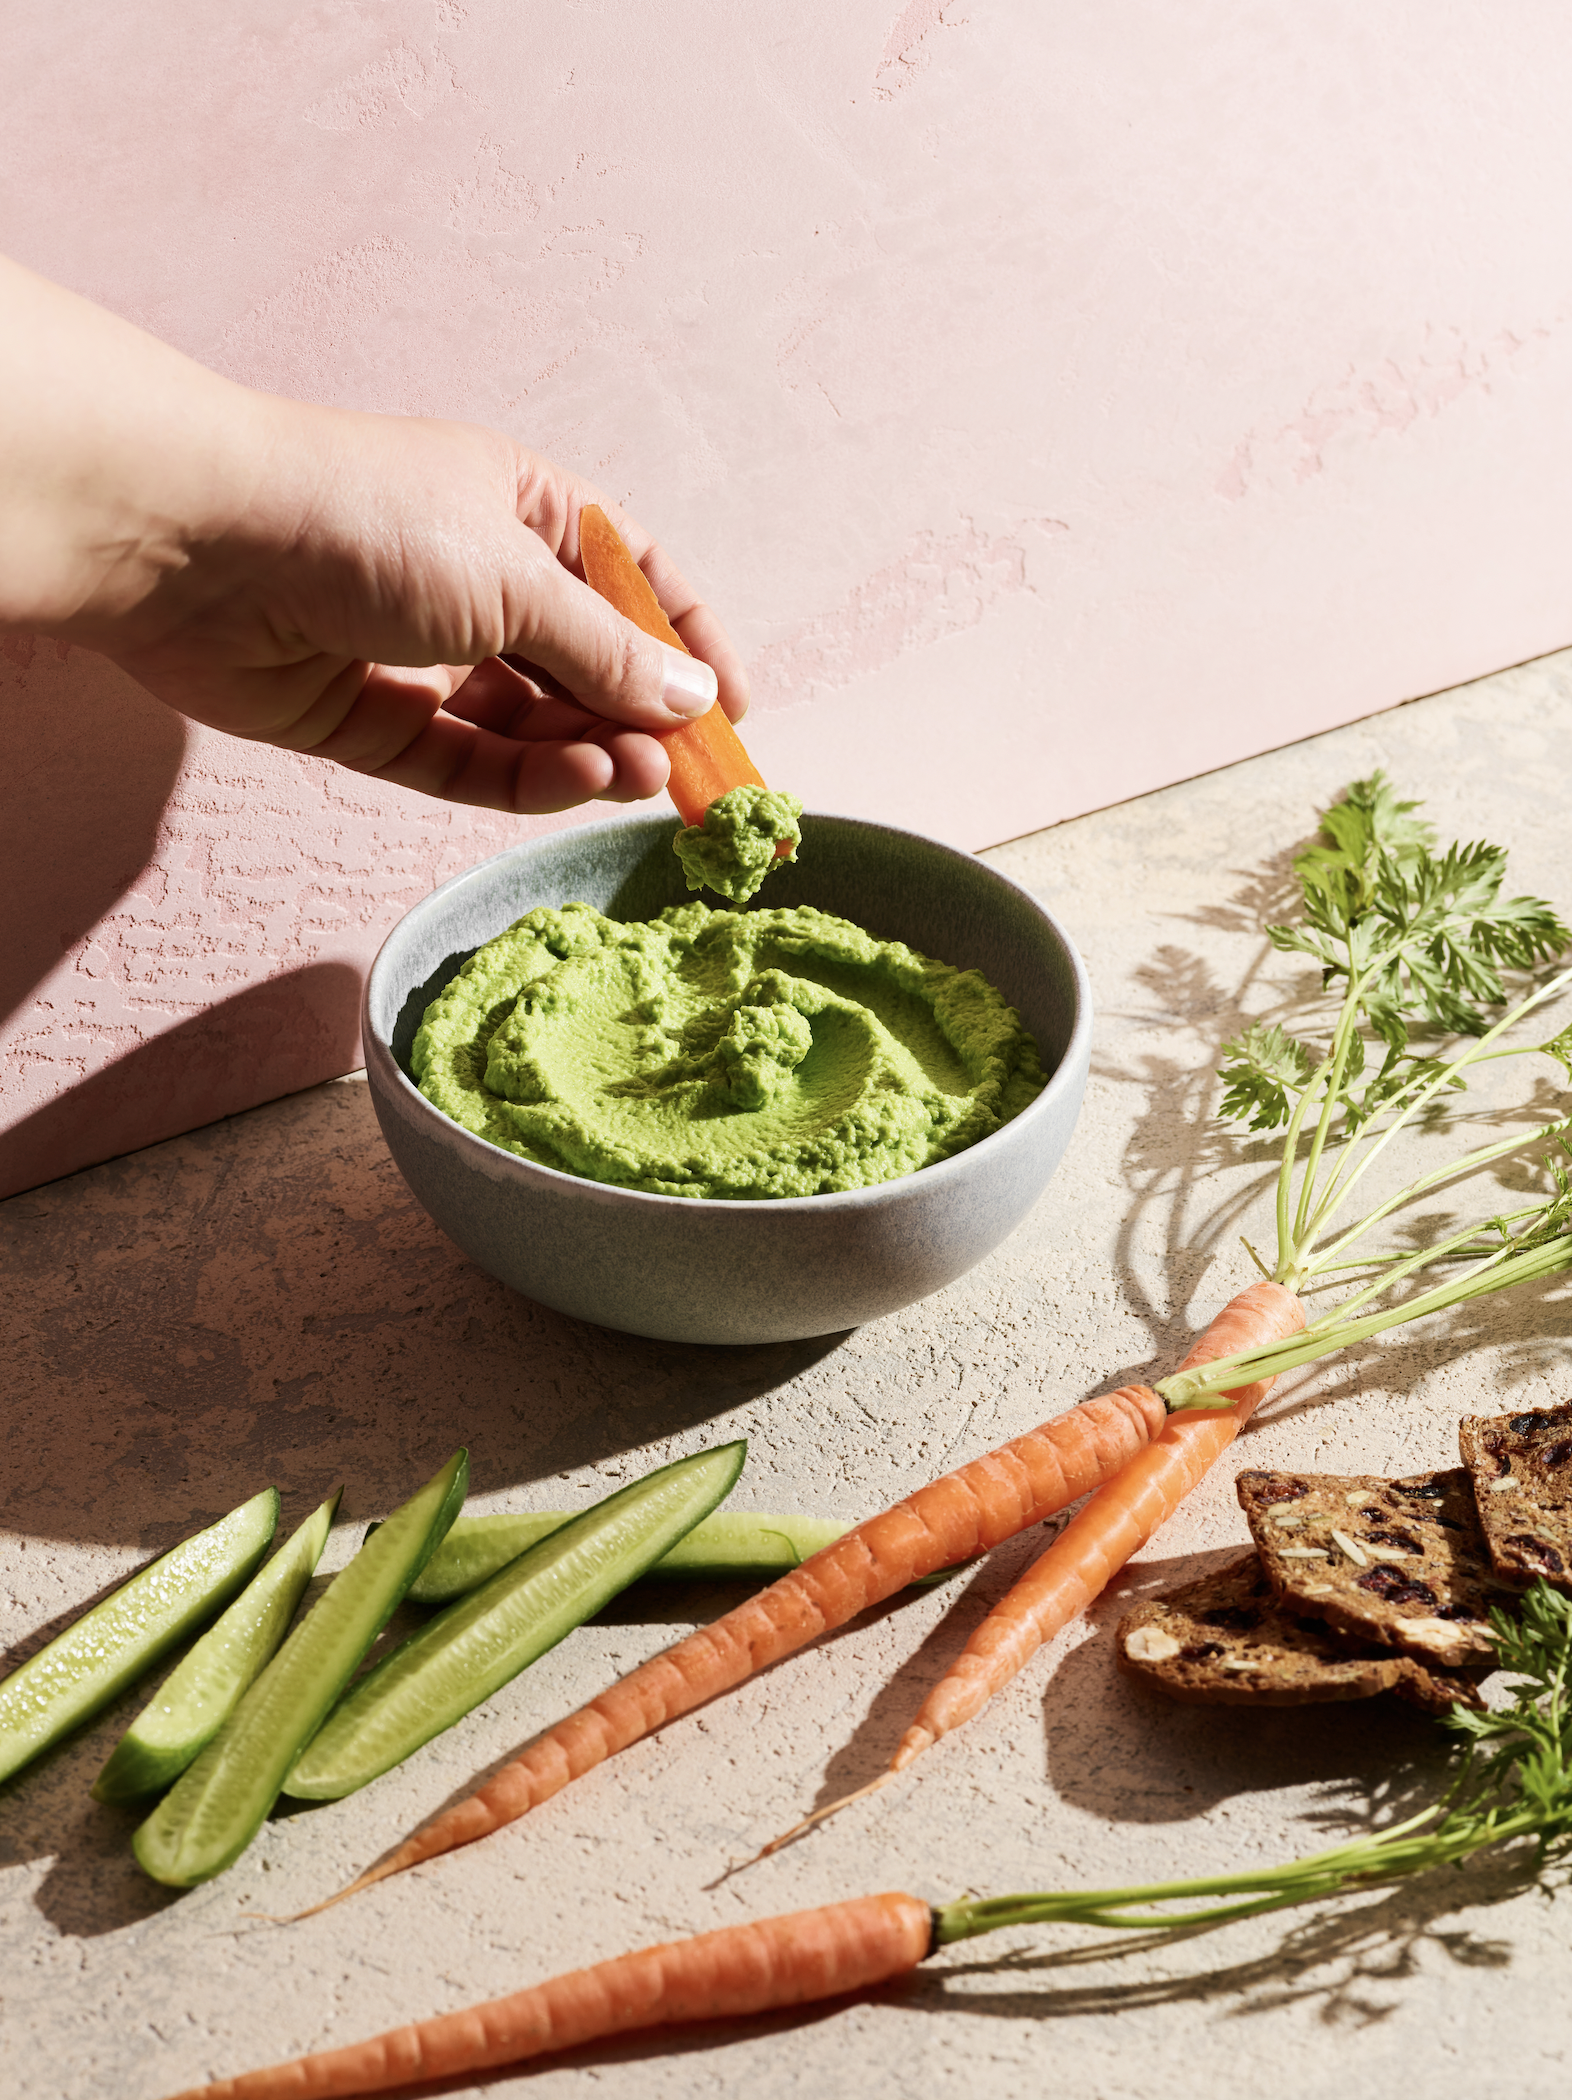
(692, 1269)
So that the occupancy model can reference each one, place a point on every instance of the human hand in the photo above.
(360, 606)
(340, 584)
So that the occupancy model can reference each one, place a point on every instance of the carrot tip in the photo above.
(364, 1881)
(913, 1743)
(820, 1815)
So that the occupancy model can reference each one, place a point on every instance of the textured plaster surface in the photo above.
(261, 1300)
(1057, 402)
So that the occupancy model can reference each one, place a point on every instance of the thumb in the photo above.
(602, 659)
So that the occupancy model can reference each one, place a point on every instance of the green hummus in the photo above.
(735, 847)
(718, 1053)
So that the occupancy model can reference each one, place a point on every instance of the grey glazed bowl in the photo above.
(691, 1269)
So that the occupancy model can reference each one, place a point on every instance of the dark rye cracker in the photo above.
(1399, 1563)
(1227, 1640)
(1522, 1471)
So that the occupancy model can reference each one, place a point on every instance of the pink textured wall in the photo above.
(1058, 400)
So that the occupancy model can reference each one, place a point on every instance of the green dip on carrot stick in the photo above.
(724, 1054)
(739, 842)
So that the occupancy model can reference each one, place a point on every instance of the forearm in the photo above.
(329, 581)
(118, 458)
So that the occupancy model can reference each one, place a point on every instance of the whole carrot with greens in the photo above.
(1514, 1785)
(1417, 940)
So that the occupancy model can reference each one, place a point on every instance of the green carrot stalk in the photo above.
(1414, 943)
(1514, 1783)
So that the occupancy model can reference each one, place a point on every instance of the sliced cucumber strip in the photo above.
(110, 1646)
(216, 1807)
(745, 1546)
(203, 1689)
(474, 1647)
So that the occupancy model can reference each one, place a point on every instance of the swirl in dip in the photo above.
(716, 1053)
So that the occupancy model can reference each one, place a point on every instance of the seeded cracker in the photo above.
(1522, 1471)
(1226, 1640)
(1401, 1563)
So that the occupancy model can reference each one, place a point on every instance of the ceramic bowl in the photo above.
(696, 1270)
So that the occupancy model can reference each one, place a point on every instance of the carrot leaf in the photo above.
(1263, 1067)
(1560, 1048)
(1426, 968)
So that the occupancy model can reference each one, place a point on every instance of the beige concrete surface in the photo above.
(262, 1300)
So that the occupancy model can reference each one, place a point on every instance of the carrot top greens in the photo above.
(1514, 1784)
(1419, 953)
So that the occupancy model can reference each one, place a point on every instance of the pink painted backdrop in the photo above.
(1057, 400)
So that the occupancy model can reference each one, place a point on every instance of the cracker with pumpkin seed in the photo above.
(1399, 1563)
(1227, 1640)
(1522, 1472)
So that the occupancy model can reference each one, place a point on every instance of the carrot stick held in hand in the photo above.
(706, 756)
(736, 831)
(963, 1514)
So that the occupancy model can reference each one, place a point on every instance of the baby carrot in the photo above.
(706, 757)
(1116, 1522)
(955, 1518)
(753, 1968)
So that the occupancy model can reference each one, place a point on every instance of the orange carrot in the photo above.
(1092, 1546)
(706, 756)
(1116, 1522)
(742, 1969)
(963, 1514)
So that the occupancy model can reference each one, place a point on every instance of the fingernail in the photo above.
(690, 686)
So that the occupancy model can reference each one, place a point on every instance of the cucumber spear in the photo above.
(217, 1806)
(112, 1645)
(200, 1693)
